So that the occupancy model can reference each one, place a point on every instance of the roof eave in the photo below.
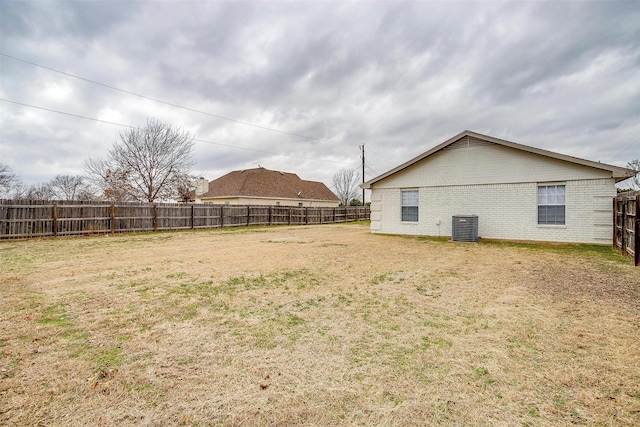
(616, 171)
(368, 184)
(630, 173)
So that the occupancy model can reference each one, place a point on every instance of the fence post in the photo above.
(155, 217)
(113, 219)
(270, 216)
(636, 254)
(615, 225)
(248, 216)
(222, 216)
(7, 228)
(55, 219)
(624, 227)
(289, 215)
(306, 216)
(192, 216)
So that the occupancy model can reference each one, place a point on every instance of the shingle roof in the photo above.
(261, 182)
(617, 172)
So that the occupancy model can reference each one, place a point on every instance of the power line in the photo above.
(170, 103)
(195, 139)
(66, 114)
(374, 172)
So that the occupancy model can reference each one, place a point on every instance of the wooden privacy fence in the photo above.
(626, 224)
(22, 219)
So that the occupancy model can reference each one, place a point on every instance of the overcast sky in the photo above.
(398, 77)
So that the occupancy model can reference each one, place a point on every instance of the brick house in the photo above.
(517, 192)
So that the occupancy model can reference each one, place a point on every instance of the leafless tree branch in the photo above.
(146, 164)
(345, 185)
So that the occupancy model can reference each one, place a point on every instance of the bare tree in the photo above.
(39, 192)
(69, 187)
(146, 164)
(345, 185)
(187, 190)
(87, 192)
(635, 180)
(110, 183)
(9, 182)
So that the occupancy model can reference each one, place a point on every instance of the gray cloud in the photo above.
(399, 77)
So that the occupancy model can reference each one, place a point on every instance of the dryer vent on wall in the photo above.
(465, 228)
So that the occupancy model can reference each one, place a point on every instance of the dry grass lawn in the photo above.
(322, 325)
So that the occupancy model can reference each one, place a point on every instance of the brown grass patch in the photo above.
(322, 325)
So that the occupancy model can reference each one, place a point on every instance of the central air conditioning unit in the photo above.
(465, 228)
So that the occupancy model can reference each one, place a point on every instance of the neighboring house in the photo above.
(517, 192)
(262, 186)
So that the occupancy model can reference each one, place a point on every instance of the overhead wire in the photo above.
(195, 139)
(171, 103)
(374, 172)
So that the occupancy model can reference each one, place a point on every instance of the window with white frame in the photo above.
(551, 205)
(410, 205)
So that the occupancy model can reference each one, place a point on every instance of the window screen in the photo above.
(551, 204)
(410, 205)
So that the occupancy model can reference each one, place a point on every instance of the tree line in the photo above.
(62, 187)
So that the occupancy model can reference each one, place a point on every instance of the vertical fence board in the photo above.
(626, 224)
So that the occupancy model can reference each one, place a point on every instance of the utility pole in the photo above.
(362, 147)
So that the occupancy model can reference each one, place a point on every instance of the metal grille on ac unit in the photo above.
(465, 228)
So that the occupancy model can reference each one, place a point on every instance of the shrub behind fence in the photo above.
(29, 218)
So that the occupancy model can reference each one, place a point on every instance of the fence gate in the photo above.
(626, 224)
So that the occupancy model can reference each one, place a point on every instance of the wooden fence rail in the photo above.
(23, 219)
(626, 224)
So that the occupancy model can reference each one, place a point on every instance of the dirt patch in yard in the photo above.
(319, 325)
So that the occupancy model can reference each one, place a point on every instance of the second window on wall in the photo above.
(410, 205)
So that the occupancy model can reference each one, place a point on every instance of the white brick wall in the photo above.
(505, 211)
(500, 185)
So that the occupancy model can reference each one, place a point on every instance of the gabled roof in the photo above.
(618, 173)
(261, 182)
